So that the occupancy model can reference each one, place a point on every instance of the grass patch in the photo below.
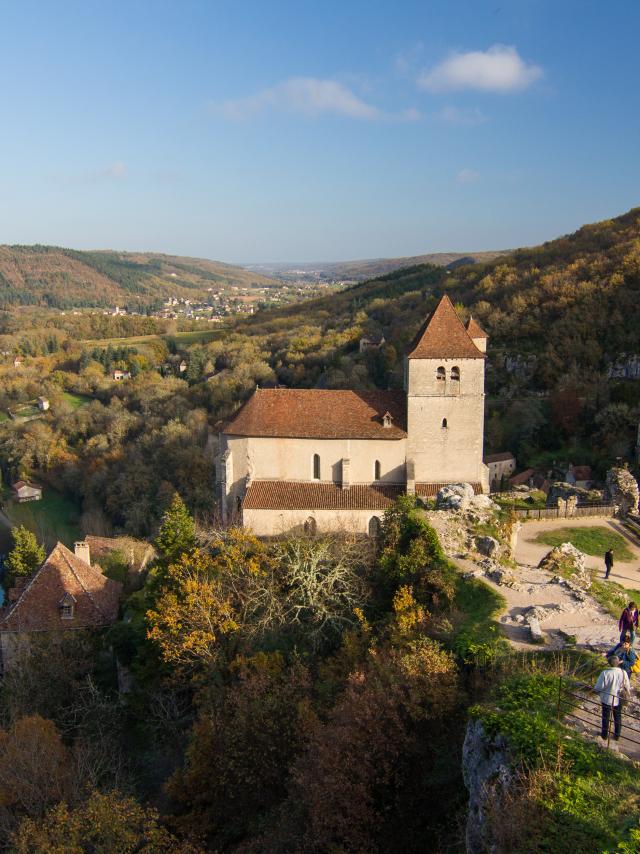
(536, 500)
(613, 596)
(53, 518)
(476, 607)
(592, 541)
(76, 401)
(583, 799)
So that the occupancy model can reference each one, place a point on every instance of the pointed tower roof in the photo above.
(443, 336)
(475, 330)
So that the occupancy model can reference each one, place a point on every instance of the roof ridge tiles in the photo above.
(443, 336)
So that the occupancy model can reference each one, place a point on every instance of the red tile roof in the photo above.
(582, 472)
(475, 330)
(522, 478)
(38, 606)
(443, 336)
(320, 414)
(499, 458)
(294, 495)
(137, 553)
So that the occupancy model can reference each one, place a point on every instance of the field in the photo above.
(51, 519)
(76, 401)
(592, 541)
(179, 338)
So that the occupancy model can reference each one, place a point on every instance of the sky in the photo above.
(315, 131)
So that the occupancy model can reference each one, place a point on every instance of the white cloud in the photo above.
(458, 116)
(499, 69)
(312, 97)
(467, 176)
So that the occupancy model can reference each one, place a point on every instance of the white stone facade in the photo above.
(308, 475)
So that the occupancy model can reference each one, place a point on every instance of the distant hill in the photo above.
(369, 269)
(573, 302)
(65, 278)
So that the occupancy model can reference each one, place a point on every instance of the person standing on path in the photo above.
(611, 682)
(628, 622)
(608, 562)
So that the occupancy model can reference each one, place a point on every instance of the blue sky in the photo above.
(276, 131)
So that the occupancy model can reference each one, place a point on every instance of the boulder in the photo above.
(488, 546)
(563, 490)
(535, 631)
(454, 496)
(483, 502)
(622, 490)
(566, 559)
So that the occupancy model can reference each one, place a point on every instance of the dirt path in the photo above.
(591, 625)
(530, 553)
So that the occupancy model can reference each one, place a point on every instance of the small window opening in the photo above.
(377, 470)
(444, 424)
(441, 374)
(455, 374)
(316, 466)
(67, 607)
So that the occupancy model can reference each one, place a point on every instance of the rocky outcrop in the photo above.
(563, 490)
(567, 560)
(622, 490)
(486, 772)
(454, 496)
(488, 546)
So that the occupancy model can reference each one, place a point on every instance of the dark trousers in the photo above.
(607, 569)
(606, 717)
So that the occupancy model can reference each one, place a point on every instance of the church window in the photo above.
(441, 374)
(455, 374)
(310, 527)
(377, 470)
(444, 424)
(374, 526)
(316, 466)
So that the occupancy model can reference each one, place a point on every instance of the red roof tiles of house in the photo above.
(38, 608)
(443, 336)
(499, 458)
(321, 414)
(294, 495)
(522, 478)
(475, 330)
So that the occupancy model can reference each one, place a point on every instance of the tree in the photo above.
(193, 614)
(177, 534)
(26, 554)
(104, 823)
(35, 770)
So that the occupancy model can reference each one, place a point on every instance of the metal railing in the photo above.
(578, 703)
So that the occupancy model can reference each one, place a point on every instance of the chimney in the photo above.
(346, 473)
(81, 550)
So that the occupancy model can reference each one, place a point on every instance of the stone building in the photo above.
(320, 460)
(67, 592)
(501, 467)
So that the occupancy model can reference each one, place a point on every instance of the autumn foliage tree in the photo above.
(104, 823)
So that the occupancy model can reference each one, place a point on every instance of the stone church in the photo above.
(324, 460)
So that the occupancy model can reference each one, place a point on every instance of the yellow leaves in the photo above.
(410, 616)
(193, 615)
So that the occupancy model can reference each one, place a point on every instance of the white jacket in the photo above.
(610, 682)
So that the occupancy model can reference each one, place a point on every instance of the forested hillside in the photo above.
(66, 278)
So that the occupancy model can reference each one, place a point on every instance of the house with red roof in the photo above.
(67, 592)
(332, 460)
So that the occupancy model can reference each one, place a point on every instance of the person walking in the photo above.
(608, 562)
(628, 622)
(612, 682)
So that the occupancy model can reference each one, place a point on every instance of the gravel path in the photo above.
(530, 553)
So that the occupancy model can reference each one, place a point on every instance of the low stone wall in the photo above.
(605, 510)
